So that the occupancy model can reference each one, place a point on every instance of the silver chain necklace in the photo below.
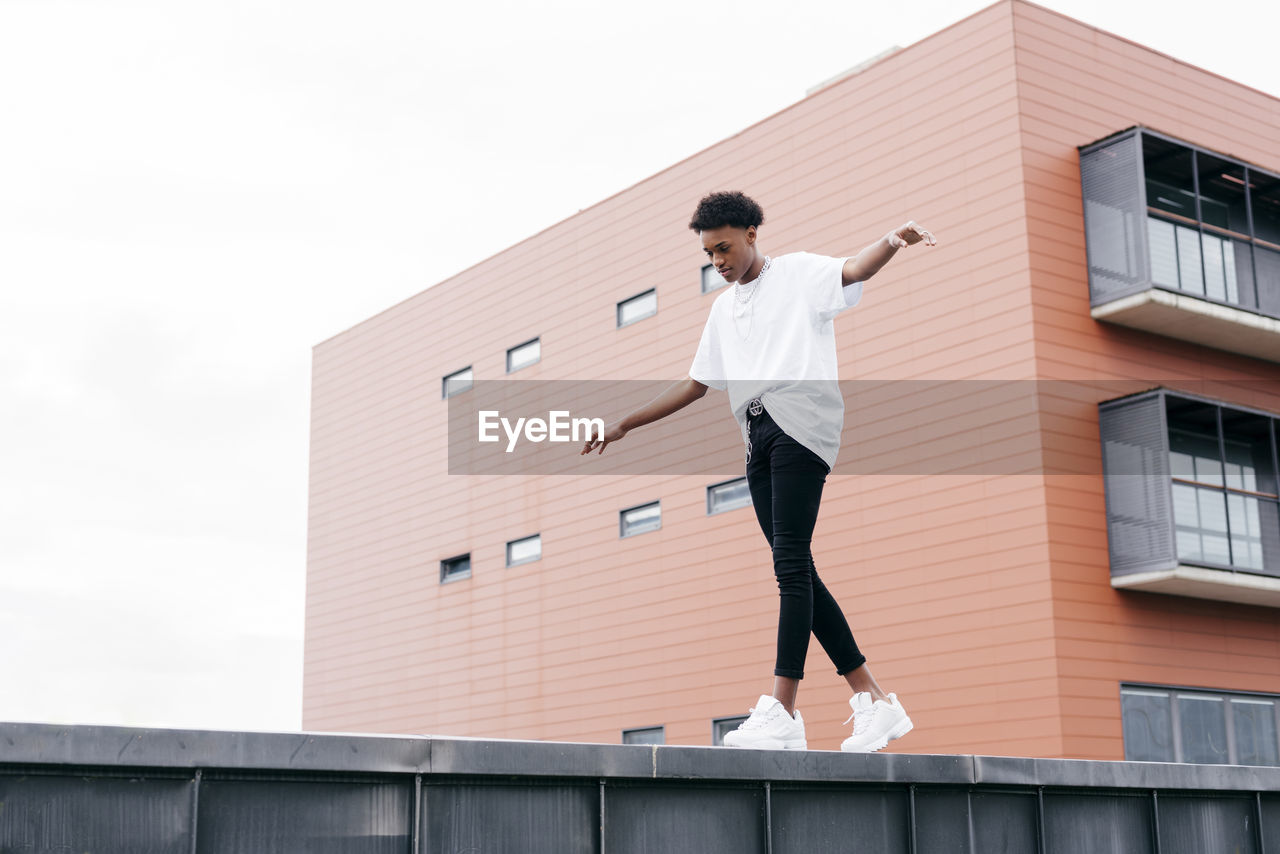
(742, 296)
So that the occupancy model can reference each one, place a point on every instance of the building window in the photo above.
(711, 280)
(525, 550)
(1165, 217)
(524, 355)
(638, 520)
(638, 307)
(456, 383)
(455, 568)
(1215, 455)
(647, 735)
(721, 726)
(1217, 728)
(729, 495)
(1191, 485)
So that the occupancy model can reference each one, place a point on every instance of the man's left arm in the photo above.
(868, 262)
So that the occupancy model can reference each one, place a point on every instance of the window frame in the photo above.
(444, 383)
(510, 543)
(1225, 695)
(618, 310)
(510, 350)
(446, 577)
(702, 279)
(717, 735)
(622, 515)
(661, 730)
(712, 511)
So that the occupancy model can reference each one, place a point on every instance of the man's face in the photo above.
(731, 250)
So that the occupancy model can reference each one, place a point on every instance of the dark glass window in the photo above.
(711, 280)
(1217, 728)
(646, 735)
(1148, 727)
(1222, 202)
(1224, 484)
(1170, 183)
(722, 726)
(1265, 197)
(455, 568)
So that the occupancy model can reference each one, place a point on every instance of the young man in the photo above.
(770, 342)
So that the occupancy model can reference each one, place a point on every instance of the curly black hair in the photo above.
(720, 209)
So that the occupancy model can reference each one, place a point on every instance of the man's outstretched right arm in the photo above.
(679, 395)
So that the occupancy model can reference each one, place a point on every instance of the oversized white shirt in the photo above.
(781, 347)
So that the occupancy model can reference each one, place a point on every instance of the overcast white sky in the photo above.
(194, 194)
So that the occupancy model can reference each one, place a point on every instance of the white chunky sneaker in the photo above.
(769, 728)
(875, 724)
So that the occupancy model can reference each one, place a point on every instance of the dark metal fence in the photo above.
(147, 791)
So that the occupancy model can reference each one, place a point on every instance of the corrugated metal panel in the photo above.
(102, 814)
(1084, 823)
(545, 819)
(805, 820)
(643, 819)
(285, 816)
(1194, 825)
(1115, 219)
(1135, 464)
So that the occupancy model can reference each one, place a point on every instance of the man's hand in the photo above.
(612, 433)
(868, 262)
(910, 234)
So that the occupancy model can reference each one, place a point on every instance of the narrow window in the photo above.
(637, 520)
(645, 735)
(455, 568)
(456, 383)
(524, 355)
(637, 308)
(524, 550)
(729, 495)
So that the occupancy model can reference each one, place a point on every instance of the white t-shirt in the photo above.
(781, 347)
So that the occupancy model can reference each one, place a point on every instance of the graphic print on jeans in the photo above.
(786, 479)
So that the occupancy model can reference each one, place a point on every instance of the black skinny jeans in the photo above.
(786, 479)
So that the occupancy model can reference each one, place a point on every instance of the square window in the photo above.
(525, 550)
(729, 495)
(711, 280)
(638, 520)
(455, 568)
(456, 383)
(647, 735)
(524, 355)
(637, 308)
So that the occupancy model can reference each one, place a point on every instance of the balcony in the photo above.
(1182, 242)
(1191, 493)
